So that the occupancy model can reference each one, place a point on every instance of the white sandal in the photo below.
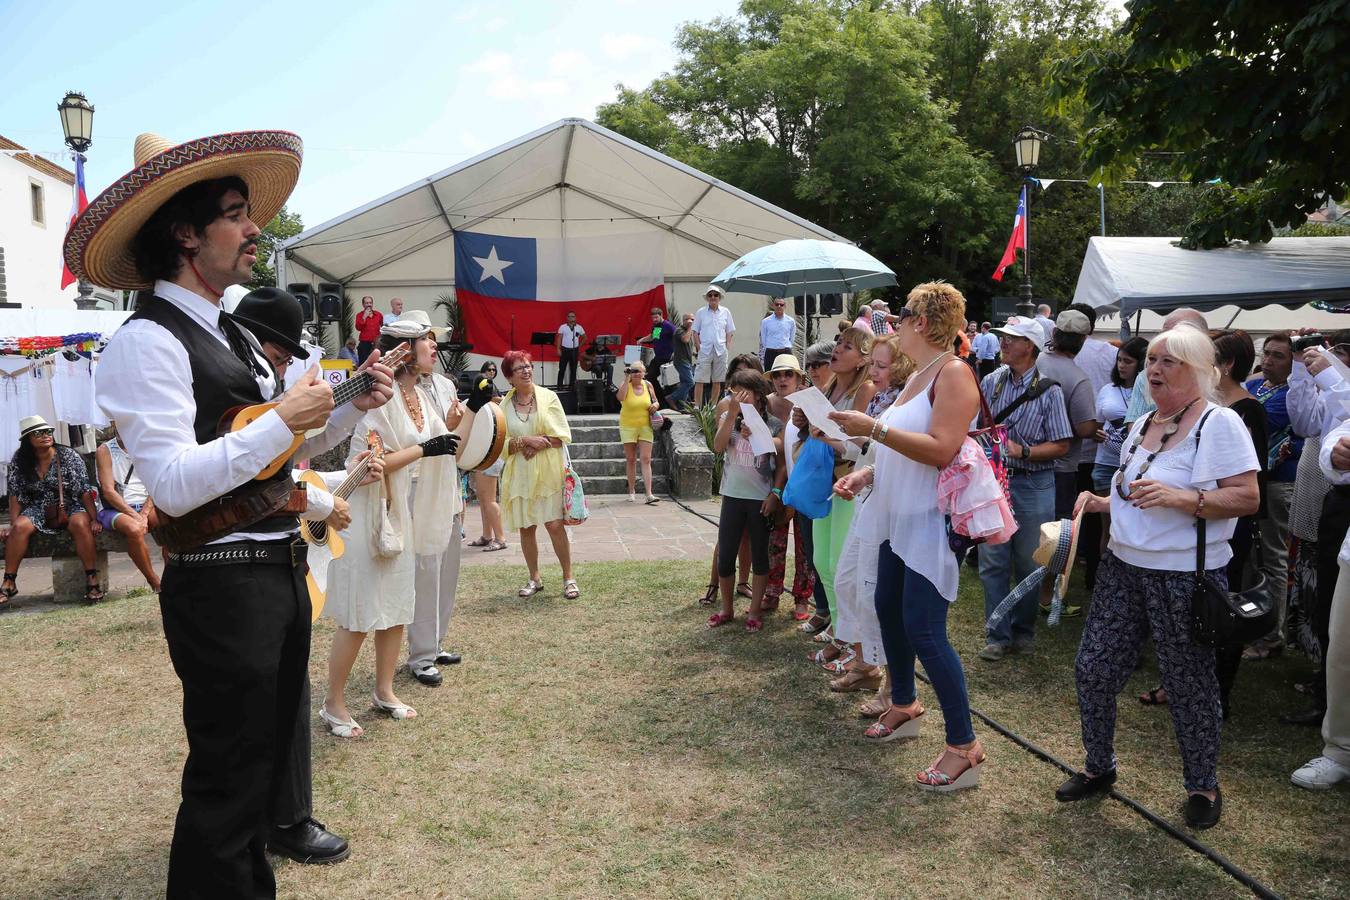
(339, 728)
(570, 589)
(393, 710)
(531, 588)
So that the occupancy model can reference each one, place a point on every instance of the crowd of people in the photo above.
(1103, 442)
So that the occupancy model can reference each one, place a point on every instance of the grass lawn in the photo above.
(615, 747)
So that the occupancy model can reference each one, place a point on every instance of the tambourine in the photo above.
(482, 436)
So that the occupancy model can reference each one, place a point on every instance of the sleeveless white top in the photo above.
(903, 507)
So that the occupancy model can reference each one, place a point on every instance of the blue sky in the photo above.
(382, 93)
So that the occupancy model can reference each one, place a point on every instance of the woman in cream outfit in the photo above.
(410, 513)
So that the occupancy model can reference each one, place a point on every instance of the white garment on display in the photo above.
(73, 391)
(15, 391)
(41, 402)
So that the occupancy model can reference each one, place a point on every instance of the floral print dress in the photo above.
(35, 494)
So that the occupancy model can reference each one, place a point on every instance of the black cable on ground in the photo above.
(686, 507)
(1148, 815)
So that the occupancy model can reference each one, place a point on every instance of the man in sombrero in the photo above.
(181, 227)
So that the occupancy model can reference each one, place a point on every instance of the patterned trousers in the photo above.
(804, 578)
(1129, 605)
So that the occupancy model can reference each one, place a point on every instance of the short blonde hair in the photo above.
(1193, 348)
(901, 365)
(861, 339)
(945, 309)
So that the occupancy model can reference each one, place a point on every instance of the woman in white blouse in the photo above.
(1165, 480)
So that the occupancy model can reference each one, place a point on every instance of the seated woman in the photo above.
(124, 497)
(46, 480)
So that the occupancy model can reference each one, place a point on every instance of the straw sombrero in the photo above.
(98, 244)
(1059, 548)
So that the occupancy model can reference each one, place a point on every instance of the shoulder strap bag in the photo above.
(1220, 617)
(55, 513)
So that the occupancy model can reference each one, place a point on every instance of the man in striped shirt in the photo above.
(1038, 434)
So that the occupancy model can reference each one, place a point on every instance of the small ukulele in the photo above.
(241, 416)
(325, 544)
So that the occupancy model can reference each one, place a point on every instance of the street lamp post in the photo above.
(1027, 145)
(77, 121)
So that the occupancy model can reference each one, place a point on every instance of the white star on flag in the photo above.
(492, 266)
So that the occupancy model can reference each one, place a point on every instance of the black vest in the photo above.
(220, 382)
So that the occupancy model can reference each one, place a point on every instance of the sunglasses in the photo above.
(904, 313)
(817, 365)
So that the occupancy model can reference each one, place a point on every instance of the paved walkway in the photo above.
(617, 530)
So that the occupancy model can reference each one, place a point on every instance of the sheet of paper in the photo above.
(761, 439)
(817, 409)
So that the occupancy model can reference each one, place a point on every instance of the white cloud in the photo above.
(504, 81)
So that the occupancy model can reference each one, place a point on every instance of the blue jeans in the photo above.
(913, 619)
(1004, 565)
(685, 388)
(1102, 476)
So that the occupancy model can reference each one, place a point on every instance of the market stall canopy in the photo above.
(44, 322)
(1125, 274)
(569, 179)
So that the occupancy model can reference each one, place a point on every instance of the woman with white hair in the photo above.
(1189, 459)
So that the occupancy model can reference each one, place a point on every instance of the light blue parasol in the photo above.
(801, 266)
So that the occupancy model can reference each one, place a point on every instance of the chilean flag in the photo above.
(77, 206)
(1018, 241)
(510, 287)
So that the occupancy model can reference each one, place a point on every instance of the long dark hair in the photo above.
(1137, 350)
(24, 460)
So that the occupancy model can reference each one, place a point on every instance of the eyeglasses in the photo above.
(817, 365)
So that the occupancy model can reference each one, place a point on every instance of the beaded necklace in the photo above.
(1173, 424)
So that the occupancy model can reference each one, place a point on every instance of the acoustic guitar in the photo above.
(325, 544)
(240, 417)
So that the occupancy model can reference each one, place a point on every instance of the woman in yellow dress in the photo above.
(531, 484)
(637, 402)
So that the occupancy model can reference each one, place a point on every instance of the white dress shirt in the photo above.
(713, 329)
(144, 384)
(985, 344)
(777, 332)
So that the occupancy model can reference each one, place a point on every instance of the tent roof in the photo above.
(1124, 274)
(571, 178)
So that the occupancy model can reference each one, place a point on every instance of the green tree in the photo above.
(1259, 98)
(285, 224)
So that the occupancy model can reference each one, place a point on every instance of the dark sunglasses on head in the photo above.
(904, 313)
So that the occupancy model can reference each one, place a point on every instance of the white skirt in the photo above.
(855, 588)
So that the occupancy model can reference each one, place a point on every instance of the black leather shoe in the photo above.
(445, 658)
(309, 842)
(430, 676)
(1201, 812)
(1312, 718)
(1080, 786)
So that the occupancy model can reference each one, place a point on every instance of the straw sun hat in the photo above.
(98, 244)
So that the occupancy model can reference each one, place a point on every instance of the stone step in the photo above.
(619, 485)
(608, 433)
(587, 468)
(604, 450)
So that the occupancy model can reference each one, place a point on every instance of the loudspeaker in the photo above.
(831, 304)
(330, 301)
(304, 292)
(804, 305)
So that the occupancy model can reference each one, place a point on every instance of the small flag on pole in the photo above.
(77, 206)
(1018, 240)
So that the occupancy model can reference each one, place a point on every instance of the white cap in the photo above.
(1016, 326)
(714, 289)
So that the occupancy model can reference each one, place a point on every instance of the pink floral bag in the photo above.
(574, 510)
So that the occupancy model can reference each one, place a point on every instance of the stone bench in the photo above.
(68, 582)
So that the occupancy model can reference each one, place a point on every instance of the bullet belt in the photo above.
(290, 552)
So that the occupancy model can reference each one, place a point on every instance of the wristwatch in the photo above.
(1026, 451)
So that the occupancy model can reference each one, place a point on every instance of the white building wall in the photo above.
(33, 251)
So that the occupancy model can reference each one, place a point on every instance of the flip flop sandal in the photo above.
(710, 597)
(753, 625)
(338, 728)
(531, 588)
(717, 620)
(92, 592)
(800, 613)
(481, 542)
(570, 589)
(1154, 697)
(743, 589)
(10, 593)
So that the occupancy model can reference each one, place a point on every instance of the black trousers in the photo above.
(1090, 541)
(986, 367)
(737, 517)
(238, 636)
(364, 349)
(772, 353)
(567, 363)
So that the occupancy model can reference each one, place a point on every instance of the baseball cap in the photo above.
(714, 289)
(1073, 322)
(1016, 326)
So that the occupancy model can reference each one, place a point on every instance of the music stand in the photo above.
(541, 339)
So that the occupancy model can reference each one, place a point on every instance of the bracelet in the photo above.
(875, 426)
(885, 429)
(1199, 503)
(778, 492)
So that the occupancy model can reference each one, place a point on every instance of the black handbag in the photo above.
(1220, 617)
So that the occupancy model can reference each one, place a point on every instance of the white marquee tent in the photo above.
(569, 179)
